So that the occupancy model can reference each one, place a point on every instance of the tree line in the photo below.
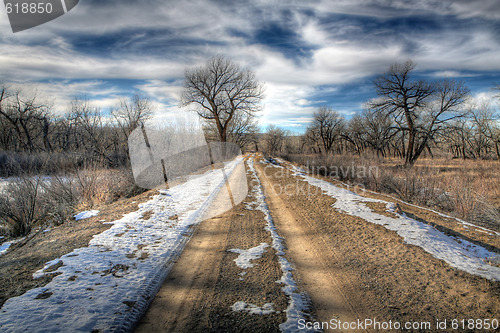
(31, 130)
(409, 118)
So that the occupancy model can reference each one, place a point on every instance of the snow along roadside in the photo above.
(298, 303)
(458, 253)
(108, 285)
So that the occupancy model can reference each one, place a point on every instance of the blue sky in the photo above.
(308, 53)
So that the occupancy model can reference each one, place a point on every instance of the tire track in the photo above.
(329, 298)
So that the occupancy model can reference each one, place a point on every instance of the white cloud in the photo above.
(451, 74)
(284, 105)
(397, 8)
(163, 91)
(203, 28)
(60, 94)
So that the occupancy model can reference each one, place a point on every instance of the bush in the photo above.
(31, 201)
(24, 206)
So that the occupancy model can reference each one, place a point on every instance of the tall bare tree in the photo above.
(275, 139)
(220, 90)
(420, 108)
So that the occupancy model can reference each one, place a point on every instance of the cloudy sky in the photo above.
(308, 53)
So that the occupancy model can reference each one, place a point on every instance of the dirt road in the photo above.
(206, 282)
(350, 268)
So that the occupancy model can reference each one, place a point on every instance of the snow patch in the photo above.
(245, 256)
(4, 247)
(457, 252)
(108, 285)
(298, 303)
(253, 309)
(86, 214)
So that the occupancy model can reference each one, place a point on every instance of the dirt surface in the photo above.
(205, 282)
(350, 268)
(448, 225)
(29, 255)
(382, 276)
(329, 288)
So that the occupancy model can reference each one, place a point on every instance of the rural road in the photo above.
(346, 269)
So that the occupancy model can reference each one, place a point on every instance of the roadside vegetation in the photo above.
(422, 141)
(53, 166)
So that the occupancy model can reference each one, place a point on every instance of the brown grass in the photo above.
(467, 189)
(29, 202)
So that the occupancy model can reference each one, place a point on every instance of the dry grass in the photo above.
(468, 189)
(22, 260)
(31, 201)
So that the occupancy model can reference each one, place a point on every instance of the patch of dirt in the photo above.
(379, 273)
(25, 258)
(380, 208)
(147, 215)
(44, 295)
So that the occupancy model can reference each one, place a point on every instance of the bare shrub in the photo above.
(29, 202)
(463, 197)
(22, 205)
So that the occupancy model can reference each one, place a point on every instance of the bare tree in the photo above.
(312, 140)
(132, 113)
(486, 132)
(328, 125)
(420, 108)
(379, 130)
(242, 130)
(27, 117)
(275, 139)
(356, 134)
(220, 90)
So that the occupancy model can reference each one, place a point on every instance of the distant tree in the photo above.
(221, 93)
(132, 113)
(379, 130)
(356, 134)
(327, 125)
(420, 108)
(486, 133)
(312, 140)
(242, 130)
(275, 139)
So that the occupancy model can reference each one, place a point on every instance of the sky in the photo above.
(307, 53)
